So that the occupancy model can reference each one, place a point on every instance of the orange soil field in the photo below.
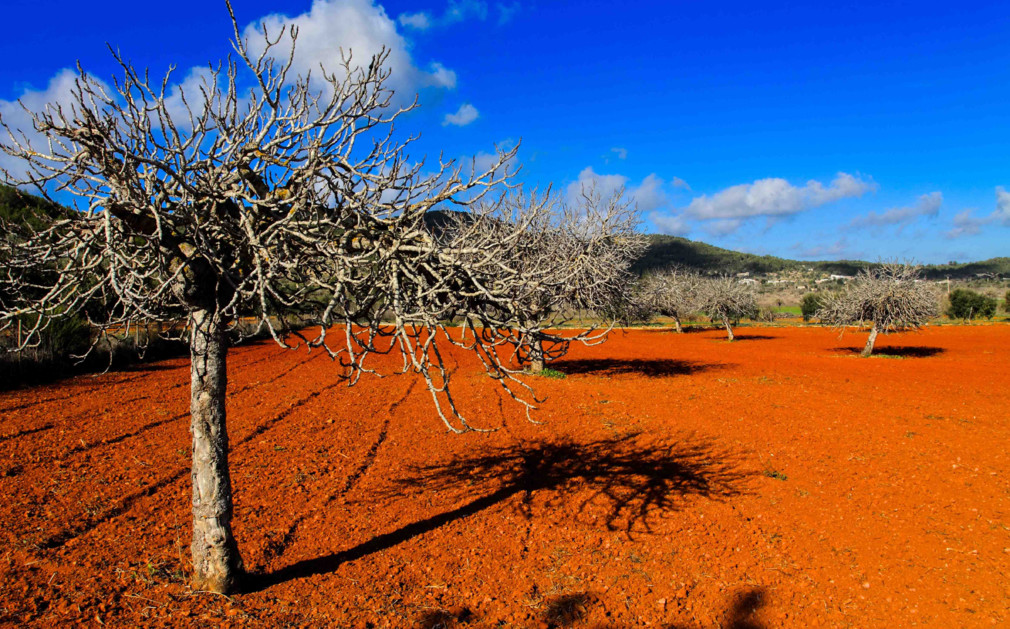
(675, 481)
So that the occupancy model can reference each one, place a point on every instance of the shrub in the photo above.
(810, 304)
(1006, 302)
(966, 304)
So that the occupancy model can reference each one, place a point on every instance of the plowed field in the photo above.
(675, 481)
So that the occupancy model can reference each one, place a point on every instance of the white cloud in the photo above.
(838, 249)
(723, 227)
(622, 153)
(456, 11)
(360, 27)
(59, 91)
(421, 21)
(507, 11)
(466, 114)
(967, 224)
(484, 161)
(677, 182)
(1002, 212)
(670, 225)
(928, 205)
(774, 197)
(647, 195)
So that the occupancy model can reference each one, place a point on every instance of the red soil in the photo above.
(676, 481)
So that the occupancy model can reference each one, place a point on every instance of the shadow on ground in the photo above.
(627, 482)
(572, 609)
(658, 368)
(752, 337)
(896, 351)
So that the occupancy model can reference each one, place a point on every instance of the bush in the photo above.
(967, 304)
(1006, 302)
(810, 304)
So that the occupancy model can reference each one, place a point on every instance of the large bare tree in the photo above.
(890, 297)
(674, 292)
(727, 299)
(266, 196)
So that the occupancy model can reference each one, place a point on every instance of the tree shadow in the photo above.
(743, 607)
(899, 351)
(654, 368)
(568, 609)
(629, 479)
(752, 337)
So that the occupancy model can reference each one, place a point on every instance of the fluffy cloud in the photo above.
(723, 227)
(647, 195)
(360, 27)
(622, 153)
(466, 114)
(677, 182)
(456, 11)
(58, 91)
(1002, 213)
(967, 224)
(670, 225)
(928, 205)
(774, 197)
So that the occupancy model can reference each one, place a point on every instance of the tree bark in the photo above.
(870, 341)
(677, 326)
(729, 329)
(537, 356)
(217, 565)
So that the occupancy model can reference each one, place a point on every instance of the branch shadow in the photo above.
(901, 351)
(632, 481)
(742, 612)
(752, 337)
(656, 368)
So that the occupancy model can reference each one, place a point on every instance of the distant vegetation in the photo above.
(664, 251)
(967, 304)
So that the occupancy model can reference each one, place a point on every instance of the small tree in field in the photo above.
(890, 297)
(810, 304)
(726, 299)
(673, 293)
(967, 304)
(263, 202)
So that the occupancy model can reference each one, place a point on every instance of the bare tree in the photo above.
(673, 293)
(257, 204)
(727, 299)
(572, 263)
(890, 297)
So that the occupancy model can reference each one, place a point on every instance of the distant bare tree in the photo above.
(727, 299)
(271, 201)
(674, 293)
(572, 263)
(890, 297)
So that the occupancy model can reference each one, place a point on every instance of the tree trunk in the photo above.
(537, 356)
(677, 326)
(729, 329)
(870, 341)
(216, 561)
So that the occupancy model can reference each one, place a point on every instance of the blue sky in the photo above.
(808, 131)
